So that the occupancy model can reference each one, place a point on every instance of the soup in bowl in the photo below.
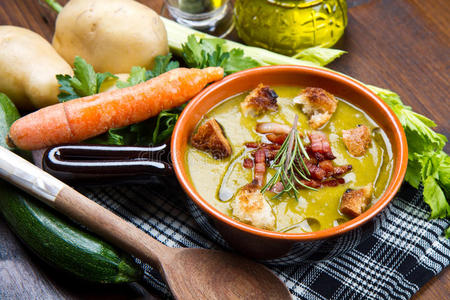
(287, 154)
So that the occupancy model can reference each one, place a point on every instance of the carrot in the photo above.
(83, 118)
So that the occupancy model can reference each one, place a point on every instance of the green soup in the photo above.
(314, 210)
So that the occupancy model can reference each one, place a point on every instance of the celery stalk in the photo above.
(177, 35)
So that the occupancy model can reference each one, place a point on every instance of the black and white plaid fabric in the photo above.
(404, 251)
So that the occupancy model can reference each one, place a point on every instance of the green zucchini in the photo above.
(55, 238)
(8, 114)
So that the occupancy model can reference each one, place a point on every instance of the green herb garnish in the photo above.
(290, 165)
(85, 81)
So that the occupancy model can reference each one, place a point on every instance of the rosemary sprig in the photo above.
(290, 164)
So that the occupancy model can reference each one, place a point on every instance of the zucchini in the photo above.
(8, 114)
(55, 238)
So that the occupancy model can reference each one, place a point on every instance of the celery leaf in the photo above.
(435, 198)
(320, 56)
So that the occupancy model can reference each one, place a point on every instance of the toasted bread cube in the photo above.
(251, 207)
(354, 202)
(259, 101)
(318, 105)
(210, 138)
(357, 140)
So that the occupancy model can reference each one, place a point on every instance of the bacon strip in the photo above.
(320, 147)
(260, 167)
(333, 171)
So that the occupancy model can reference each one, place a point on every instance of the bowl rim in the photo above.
(394, 185)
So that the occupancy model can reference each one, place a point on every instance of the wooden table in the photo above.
(402, 45)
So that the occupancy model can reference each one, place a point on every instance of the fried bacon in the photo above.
(247, 163)
(333, 171)
(322, 171)
(319, 148)
(260, 168)
(270, 150)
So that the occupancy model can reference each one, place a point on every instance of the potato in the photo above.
(28, 65)
(111, 35)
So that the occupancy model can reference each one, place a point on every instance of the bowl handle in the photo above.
(100, 164)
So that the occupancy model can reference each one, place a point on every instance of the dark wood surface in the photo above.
(403, 45)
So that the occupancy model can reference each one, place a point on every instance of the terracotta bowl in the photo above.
(277, 247)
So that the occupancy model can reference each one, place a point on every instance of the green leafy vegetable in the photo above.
(178, 34)
(164, 125)
(427, 162)
(140, 74)
(320, 56)
(8, 114)
(85, 81)
(137, 75)
(210, 53)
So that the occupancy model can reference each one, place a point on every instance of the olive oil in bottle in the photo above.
(288, 26)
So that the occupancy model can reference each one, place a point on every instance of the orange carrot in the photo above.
(83, 118)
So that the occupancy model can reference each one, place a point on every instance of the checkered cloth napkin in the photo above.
(403, 253)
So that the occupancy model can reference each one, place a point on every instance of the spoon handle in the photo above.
(68, 201)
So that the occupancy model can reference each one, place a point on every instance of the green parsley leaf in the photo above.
(85, 81)
(212, 53)
(238, 62)
(164, 125)
(66, 91)
(137, 75)
(163, 64)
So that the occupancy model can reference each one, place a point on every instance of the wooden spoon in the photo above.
(190, 273)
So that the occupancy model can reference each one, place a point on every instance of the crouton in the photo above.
(354, 202)
(318, 105)
(357, 140)
(259, 101)
(210, 138)
(251, 207)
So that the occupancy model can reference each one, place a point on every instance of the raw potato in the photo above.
(28, 66)
(111, 35)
